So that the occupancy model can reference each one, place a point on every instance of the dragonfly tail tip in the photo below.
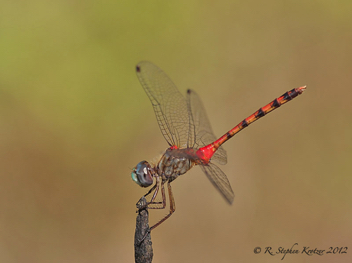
(301, 89)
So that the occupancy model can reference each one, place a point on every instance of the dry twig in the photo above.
(143, 250)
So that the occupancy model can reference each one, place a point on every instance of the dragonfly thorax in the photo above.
(175, 162)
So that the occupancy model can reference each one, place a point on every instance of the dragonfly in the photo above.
(185, 126)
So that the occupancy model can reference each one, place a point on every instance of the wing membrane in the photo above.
(200, 124)
(169, 105)
(219, 180)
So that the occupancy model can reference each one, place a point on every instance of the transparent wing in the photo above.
(219, 180)
(169, 105)
(200, 124)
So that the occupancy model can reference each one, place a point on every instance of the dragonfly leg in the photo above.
(172, 205)
(155, 188)
(150, 190)
(163, 203)
(145, 205)
(158, 207)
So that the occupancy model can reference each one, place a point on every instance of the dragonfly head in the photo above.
(142, 174)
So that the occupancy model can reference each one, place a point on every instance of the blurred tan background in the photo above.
(74, 121)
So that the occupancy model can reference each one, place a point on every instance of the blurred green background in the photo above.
(74, 121)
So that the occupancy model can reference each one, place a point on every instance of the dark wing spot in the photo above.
(189, 91)
(138, 69)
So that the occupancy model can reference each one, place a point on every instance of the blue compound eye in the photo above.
(141, 174)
